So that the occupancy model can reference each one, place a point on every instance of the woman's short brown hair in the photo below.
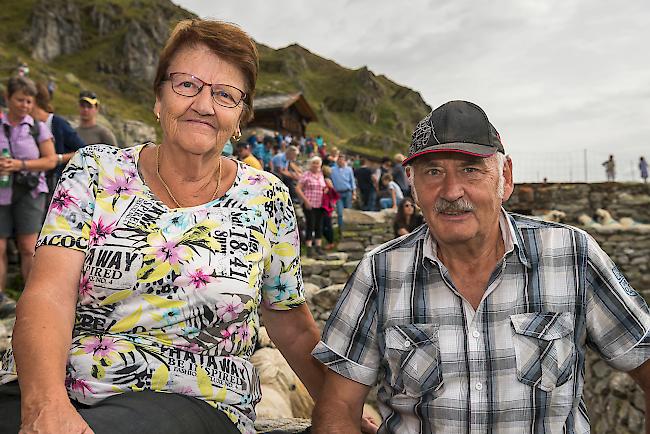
(23, 84)
(226, 40)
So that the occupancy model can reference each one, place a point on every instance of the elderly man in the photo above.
(478, 321)
(345, 185)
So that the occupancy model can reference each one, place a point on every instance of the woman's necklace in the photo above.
(169, 192)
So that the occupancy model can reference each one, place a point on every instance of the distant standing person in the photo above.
(610, 168)
(367, 183)
(89, 130)
(345, 185)
(643, 167)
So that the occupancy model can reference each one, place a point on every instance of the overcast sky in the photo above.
(555, 77)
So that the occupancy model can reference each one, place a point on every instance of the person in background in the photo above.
(367, 183)
(227, 149)
(244, 154)
(289, 170)
(407, 218)
(345, 185)
(331, 157)
(29, 152)
(66, 139)
(399, 174)
(278, 160)
(610, 169)
(394, 192)
(643, 168)
(330, 200)
(310, 188)
(89, 130)
(478, 321)
(142, 310)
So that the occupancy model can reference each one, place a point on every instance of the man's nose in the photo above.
(452, 187)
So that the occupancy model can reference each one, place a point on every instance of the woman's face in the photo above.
(20, 104)
(198, 124)
(409, 208)
(314, 166)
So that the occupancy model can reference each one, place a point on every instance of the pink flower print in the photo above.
(130, 172)
(256, 179)
(75, 385)
(190, 347)
(167, 251)
(62, 199)
(244, 333)
(120, 185)
(100, 347)
(230, 309)
(99, 231)
(197, 278)
(85, 287)
(226, 342)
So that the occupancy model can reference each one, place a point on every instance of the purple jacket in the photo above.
(24, 148)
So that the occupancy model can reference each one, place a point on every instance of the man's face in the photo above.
(459, 195)
(87, 111)
(341, 161)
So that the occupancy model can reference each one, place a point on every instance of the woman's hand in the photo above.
(10, 165)
(54, 418)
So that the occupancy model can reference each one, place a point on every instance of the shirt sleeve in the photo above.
(68, 220)
(71, 140)
(349, 342)
(44, 132)
(282, 287)
(618, 319)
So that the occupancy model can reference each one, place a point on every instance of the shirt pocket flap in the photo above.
(546, 326)
(410, 336)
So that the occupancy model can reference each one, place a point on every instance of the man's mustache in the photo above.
(458, 205)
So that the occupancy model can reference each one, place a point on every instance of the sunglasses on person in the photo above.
(223, 94)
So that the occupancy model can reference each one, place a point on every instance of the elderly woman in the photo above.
(153, 262)
(27, 150)
(311, 188)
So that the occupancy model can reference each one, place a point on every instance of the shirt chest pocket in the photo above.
(544, 348)
(413, 356)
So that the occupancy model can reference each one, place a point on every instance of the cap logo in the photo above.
(422, 134)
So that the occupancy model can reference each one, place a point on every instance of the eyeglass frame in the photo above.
(203, 84)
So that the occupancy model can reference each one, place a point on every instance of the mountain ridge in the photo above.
(112, 46)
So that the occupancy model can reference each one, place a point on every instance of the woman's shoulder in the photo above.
(109, 156)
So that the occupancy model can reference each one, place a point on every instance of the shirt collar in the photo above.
(510, 234)
(26, 120)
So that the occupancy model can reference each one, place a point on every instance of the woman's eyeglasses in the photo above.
(189, 85)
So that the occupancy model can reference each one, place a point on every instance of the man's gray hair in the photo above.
(498, 157)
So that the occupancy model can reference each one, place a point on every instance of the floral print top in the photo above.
(168, 298)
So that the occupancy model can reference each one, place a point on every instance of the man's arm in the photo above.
(339, 408)
(110, 138)
(642, 376)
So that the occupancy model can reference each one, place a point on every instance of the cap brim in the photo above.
(89, 100)
(473, 149)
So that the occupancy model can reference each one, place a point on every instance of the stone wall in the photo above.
(620, 199)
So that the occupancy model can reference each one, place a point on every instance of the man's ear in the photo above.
(509, 184)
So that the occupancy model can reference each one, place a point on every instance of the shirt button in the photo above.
(407, 344)
(476, 334)
(479, 386)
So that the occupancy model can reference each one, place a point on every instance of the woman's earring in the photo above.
(158, 117)
(237, 135)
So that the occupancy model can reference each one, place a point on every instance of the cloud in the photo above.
(555, 77)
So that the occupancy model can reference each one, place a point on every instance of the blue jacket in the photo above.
(66, 139)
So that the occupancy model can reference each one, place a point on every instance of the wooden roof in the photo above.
(283, 102)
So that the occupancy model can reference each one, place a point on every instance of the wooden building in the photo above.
(286, 113)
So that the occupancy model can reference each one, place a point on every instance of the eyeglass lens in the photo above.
(188, 85)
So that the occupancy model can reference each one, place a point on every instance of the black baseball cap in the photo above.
(456, 126)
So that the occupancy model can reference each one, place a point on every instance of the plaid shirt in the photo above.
(515, 364)
(312, 187)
